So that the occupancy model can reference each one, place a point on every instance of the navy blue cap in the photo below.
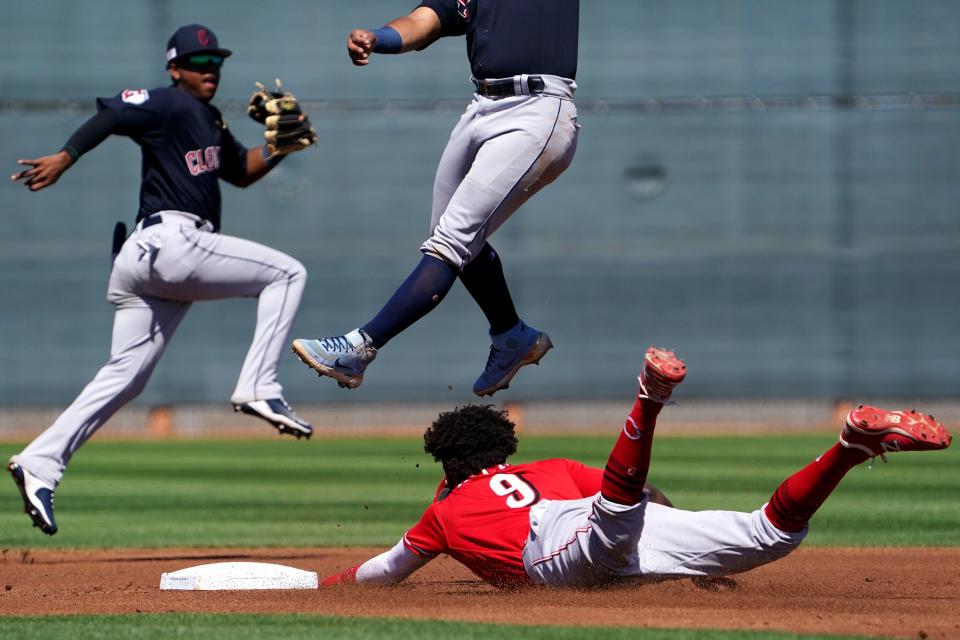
(193, 38)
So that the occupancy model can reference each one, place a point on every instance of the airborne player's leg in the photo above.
(500, 154)
(514, 344)
(345, 358)
(525, 145)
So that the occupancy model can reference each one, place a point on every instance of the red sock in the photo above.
(796, 500)
(626, 470)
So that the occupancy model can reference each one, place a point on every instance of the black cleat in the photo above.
(277, 412)
(37, 498)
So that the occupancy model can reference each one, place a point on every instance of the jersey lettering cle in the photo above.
(203, 160)
(185, 150)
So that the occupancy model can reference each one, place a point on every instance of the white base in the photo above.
(226, 576)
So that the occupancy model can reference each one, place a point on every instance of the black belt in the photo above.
(507, 87)
(156, 218)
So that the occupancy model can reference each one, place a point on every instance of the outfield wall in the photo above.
(769, 186)
(691, 417)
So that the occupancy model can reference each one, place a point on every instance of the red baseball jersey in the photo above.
(484, 521)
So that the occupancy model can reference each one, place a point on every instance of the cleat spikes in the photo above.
(878, 431)
(662, 371)
(279, 414)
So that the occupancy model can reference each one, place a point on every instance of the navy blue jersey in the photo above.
(511, 37)
(186, 148)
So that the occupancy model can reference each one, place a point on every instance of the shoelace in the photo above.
(336, 343)
(291, 412)
(491, 357)
(867, 450)
(653, 385)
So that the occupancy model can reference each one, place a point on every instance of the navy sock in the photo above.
(483, 278)
(423, 289)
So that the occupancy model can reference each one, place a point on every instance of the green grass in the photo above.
(230, 627)
(357, 492)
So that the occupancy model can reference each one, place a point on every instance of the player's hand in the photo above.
(44, 171)
(347, 575)
(359, 46)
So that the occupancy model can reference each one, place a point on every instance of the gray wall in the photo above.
(789, 240)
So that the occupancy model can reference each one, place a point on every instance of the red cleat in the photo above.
(662, 371)
(878, 431)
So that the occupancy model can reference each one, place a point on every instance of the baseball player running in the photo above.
(517, 136)
(175, 255)
(560, 523)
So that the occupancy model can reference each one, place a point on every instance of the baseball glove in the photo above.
(288, 128)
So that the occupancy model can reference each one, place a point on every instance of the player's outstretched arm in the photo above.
(416, 31)
(390, 567)
(43, 171)
(46, 170)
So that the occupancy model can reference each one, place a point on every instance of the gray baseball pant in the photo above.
(500, 153)
(160, 271)
(594, 541)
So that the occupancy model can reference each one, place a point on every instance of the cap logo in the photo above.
(203, 37)
(171, 53)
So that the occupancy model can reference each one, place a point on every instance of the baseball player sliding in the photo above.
(560, 523)
(517, 136)
(175, 255)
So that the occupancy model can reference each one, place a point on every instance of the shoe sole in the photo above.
(345, 381)
(28, 508)
(283, 428)
(921, 429)
(534, 356)
(666, 364)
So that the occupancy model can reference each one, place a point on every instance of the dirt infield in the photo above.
(881, 591)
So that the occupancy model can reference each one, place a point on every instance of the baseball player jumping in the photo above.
(517, 136)
(175, 255)
(560, 523)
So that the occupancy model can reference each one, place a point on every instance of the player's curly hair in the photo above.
(468, 439)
